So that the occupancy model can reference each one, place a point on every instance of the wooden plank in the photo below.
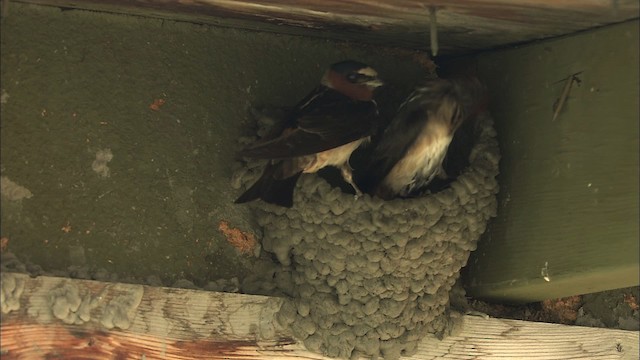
(464, 26)
(568, 207)
(166, 323)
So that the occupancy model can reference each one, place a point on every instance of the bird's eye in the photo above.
(352, 77)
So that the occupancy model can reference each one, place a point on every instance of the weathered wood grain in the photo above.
(463, 26)
(171, 323)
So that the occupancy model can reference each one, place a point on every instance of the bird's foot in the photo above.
(347, 175)
(358, 192)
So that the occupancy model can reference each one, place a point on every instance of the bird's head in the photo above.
(353, 79)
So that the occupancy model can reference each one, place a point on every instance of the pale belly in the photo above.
(419, 165)
(334, 157)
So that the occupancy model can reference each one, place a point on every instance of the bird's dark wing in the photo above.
(327, 121)
(460, 97)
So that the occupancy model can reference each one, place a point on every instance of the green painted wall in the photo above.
(569, 187)
(77, 82)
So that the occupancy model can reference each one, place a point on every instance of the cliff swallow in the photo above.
(410, 152)
(322, 130)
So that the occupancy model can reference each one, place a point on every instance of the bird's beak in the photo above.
(374, 83)
(369, 77)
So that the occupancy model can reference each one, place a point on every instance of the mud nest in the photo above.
(372, 277)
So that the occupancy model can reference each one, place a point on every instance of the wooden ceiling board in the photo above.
(463, 26)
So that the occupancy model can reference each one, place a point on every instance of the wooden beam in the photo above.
(48, 317)
(568, 205)
(463, 26)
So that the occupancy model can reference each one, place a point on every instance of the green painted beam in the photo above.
(568, 206)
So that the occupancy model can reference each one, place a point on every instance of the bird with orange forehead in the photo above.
(322, 130)
(411, 150)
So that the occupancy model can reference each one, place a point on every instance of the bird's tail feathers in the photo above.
(270, 189)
